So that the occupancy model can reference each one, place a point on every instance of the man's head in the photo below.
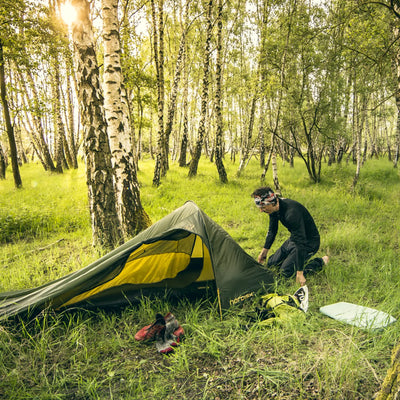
(265, 199)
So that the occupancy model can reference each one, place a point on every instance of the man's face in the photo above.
(264, 207)
(267, 208)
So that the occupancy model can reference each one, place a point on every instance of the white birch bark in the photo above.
(99, 175)
(130, 212)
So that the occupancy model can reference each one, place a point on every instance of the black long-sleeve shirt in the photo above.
(299, 222)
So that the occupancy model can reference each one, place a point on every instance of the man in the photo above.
(304, 239)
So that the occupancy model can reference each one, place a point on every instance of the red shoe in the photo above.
(167, 349)
(179, 333)
(177, 336)
(168, 339)
(149, 332)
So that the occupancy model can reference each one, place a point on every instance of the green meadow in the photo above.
(45, 233)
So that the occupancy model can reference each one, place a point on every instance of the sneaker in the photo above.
(170, 319)
(302, 295)
(171, 336)
(171, 325)
(177, 336)
(150, 332)
(179, 332)
(165, 347)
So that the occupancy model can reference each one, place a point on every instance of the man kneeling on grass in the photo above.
(295, 253)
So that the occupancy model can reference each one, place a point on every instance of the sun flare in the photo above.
(68, 13)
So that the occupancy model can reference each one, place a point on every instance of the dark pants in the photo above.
(291, 258)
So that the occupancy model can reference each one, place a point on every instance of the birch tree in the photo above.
(70, 126)
(185, 118)
(174, 91)
(99, 174)
(10, 41)
(396, 74)
(7, 118)
(59, 133)
(3, 163)
(158, 53)
(33, 114)
(277, 90)
(132, 216)
(194, 163)
(247, 139)
(218, 100)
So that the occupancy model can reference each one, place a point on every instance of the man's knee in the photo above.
(288, 271)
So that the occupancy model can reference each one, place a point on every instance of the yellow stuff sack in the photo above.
(274, 308)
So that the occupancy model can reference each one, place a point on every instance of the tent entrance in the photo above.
(164, 263)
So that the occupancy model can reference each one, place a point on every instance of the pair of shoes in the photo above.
(171, 336)
(149, 332)
(165, 330)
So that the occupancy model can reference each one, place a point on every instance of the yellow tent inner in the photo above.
(153, 263)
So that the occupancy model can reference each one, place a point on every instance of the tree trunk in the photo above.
(99, 174)
(358, 126)
(194, 163)
(158, 45)
(26, 123)
(397, 141)
(261, 134)
(271, 151)
(277, 186)
(37, 134)
(185, 111)
(151, 150)
(291, 153)
(390, 389)
(174, 93)
(132, 216)
(140, 129)
(396, 74)
(22, 158)
(247, 143)
(218, 102)
(72, 142)
(57, 120)
(7, 118)
(3, 163)
(332, 155)
(264, 75)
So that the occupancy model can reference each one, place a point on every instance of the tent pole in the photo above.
(219, 304)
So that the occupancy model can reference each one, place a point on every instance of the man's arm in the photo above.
(263, 255)
(272, 230)
(300, 278)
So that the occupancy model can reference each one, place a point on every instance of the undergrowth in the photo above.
(45, 234)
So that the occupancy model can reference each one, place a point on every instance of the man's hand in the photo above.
(262, 256)
(300, 278)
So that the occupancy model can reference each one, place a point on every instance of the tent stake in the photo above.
(219, 303)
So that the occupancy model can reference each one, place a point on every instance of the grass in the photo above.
(45, 234)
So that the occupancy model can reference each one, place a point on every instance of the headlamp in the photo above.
(268, 198)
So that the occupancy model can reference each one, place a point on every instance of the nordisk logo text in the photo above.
(241, 298)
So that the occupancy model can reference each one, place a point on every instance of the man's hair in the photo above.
(265, 192)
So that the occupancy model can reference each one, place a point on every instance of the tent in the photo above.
(186, 250)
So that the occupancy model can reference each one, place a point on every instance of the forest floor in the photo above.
(45, 234)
